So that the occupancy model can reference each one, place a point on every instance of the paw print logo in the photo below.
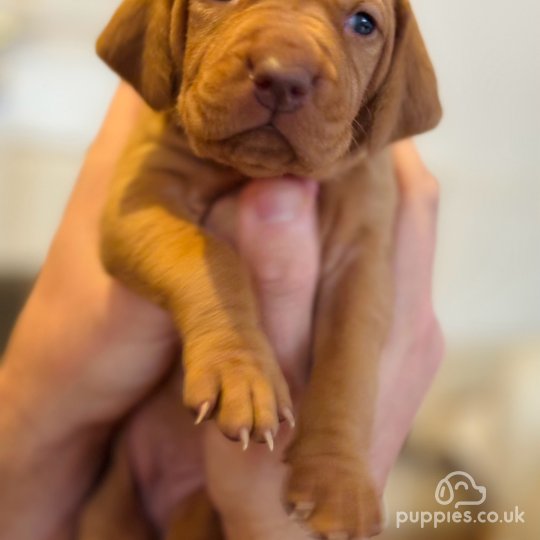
(459, 481)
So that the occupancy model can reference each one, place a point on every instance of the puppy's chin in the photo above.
(258, 153)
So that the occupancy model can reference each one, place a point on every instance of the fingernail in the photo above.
(281, 204)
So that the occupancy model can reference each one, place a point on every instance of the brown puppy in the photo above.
(243, 89)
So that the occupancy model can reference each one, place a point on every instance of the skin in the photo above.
(86, 350)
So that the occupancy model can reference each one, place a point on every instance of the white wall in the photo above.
(486, 153)
(487, 156)
(53, 93)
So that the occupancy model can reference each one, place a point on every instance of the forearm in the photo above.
(84, 351)
(50, 447)
(43, 479)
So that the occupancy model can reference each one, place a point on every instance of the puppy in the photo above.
(246, 89)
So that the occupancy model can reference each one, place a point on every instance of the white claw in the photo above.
(303, 511)
(289, 417)
(244, 439)
(203, 411)
(269, 440)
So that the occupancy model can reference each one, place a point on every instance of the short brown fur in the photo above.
(206, 136)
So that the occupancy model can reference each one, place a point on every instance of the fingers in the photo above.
(407, 157)
(414, 348)
(416, 232)
(277, 236)
(415, 247)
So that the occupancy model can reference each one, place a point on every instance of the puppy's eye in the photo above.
(362, 23)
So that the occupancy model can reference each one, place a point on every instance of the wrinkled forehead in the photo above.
(349, 6)
(230, 18)
(333, 7)
(345, 5)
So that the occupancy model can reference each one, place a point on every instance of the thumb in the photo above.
(277, 236)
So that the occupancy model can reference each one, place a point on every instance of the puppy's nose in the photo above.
(281, 88)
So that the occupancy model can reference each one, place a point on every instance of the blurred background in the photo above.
(483, 415)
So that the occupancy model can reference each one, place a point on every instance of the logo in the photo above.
(448, 488)
(460, 489)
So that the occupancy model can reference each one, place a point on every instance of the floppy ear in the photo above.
(136, 44)
(407, 102)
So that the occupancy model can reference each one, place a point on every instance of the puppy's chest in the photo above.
(189, 182)
(357, 211)
(354, 203)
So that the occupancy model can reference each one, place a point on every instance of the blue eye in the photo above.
(363, 23)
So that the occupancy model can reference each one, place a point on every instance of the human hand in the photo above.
(415, 345)
(83, 352)
(70, 374)
(86, 350)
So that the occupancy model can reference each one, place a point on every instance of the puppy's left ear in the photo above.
(407, 102)
(139, 45)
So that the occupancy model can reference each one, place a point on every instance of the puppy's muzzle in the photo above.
(281, 88)
(283, 75)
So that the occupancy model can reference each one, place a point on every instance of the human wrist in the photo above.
(46, 471)
(44, 404)
(82, 357)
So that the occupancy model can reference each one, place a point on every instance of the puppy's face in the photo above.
(275, 86)
(272, 87)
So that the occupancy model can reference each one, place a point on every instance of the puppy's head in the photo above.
(272, 87)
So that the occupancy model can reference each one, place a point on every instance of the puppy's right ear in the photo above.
(136, 44)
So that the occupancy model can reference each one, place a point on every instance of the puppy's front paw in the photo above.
(334, 497)
(246, 399)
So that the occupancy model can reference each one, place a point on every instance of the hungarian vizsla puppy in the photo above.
(245, 89)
